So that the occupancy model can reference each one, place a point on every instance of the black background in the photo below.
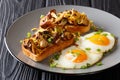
(11, 69)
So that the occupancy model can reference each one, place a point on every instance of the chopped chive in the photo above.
(56, 56)
(41, 16)
(83, 67)
(88, 64)
(98, 32)
(93, 28)
(110, 50)
(99, 64)
(105, 34)
(98, 50)
(52, 65)
(76, 39)
(50, 39)
(21, 41)
(87, 49)
(28, 34)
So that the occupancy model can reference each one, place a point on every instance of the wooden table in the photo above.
(11, 69)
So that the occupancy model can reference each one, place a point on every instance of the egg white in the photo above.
(63, 62)
(85, 43)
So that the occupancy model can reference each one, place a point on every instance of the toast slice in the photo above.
(40, 55)
(72, 21)
(56, 32)
(80, 29)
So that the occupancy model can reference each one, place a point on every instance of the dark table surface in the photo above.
(11, 69)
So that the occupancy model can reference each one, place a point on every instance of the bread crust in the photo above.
(47, 51)
(80, 29)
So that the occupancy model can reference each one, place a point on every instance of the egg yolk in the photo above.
(80, 56)
(99, 39)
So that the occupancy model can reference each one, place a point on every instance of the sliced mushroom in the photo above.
(66, 36)
(43, 43)
(48, 20)
(29, 44)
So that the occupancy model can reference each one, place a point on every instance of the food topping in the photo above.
(68, 17)
(53, 29)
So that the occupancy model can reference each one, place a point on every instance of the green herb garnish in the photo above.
(57, 30)
(105, 34)
(56, 56)
(110, 50)
(28, 34)
(21, 41)
(85, 66)
(99, 64)
(41, 16)
(99, 31)
(98, 50)
(88, 64)
(50, 40)
(93, 28)
(52, 65)
(87, 49)
(76, 39)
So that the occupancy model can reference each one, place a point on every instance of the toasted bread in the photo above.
(62, 25)
(74, 22)
(41, 55)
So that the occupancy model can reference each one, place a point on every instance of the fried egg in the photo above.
(89, 51)
(97, 42)
(74, 57)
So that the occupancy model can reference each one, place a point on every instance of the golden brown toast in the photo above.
(61, 28)
(72, 20)
(40, 55)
